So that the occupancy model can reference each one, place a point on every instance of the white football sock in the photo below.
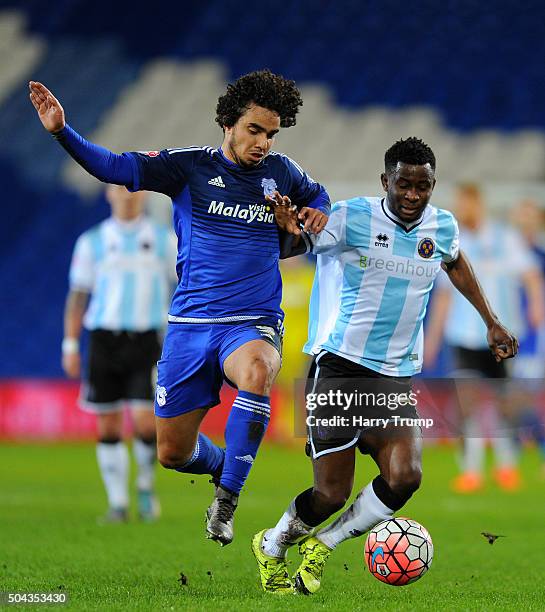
(113, 461)
(366, 511)
(144, 455)
(474, 445)
(504, 444)
(289, 529)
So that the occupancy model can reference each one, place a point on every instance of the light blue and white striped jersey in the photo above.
(129, 268)
(373, 279)
(500, 256)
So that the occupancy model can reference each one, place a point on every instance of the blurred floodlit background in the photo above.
(136, 77)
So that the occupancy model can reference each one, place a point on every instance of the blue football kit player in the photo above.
(225, 320)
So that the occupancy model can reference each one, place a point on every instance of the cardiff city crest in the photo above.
(269, 186)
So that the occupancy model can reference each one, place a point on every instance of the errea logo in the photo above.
(382, 240)
(253, 212)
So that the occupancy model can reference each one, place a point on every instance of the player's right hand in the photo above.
(315, 220)
(49, 109)
(285, 213)
(501, 341)
(71, 364)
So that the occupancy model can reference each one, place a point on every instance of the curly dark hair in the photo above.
(411, 151)
(263, 88)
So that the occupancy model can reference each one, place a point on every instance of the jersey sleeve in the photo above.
(305, 191)
(332, 238)
(165, 171)
(451, 250)
(82, 266)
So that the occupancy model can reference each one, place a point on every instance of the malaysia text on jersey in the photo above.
(228, 246)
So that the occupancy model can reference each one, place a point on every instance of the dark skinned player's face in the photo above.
(408, 190)
(252, 136)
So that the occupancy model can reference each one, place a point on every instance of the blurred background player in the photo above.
(121, 278)
(529, 367)
(225, 320)
(528, 218)
(504, 265)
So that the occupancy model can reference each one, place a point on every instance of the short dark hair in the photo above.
(411, 151)
(263, 88)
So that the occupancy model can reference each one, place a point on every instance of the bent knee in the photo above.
(258, 377)
(172, 458)
(332, 499)
(405, 480)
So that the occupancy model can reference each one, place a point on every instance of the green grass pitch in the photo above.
(50, 496)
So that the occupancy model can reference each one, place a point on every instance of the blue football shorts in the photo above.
(190, 371)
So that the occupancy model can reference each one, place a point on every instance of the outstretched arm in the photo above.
(98, 161)
(501, 342)
(49, 109)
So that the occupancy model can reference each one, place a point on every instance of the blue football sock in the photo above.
(207, 458)
(245, 429)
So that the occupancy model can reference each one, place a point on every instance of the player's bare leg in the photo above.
(397, 451)
(145, 454)
(181, 447)
(177, 438)
(333, 480)
(113, 461)
(252, 368)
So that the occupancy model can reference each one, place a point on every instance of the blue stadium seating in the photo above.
(480, 65)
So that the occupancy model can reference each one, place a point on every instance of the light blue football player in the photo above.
(376, 263)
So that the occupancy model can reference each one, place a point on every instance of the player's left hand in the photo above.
(314, 220)
(285, 213)
(501, 341)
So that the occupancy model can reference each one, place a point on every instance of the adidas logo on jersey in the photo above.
(247, 459)
(217, 182)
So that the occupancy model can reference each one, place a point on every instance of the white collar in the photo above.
(408, 226)
(127, 226)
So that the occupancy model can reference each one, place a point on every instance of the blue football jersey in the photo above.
(228, 245)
